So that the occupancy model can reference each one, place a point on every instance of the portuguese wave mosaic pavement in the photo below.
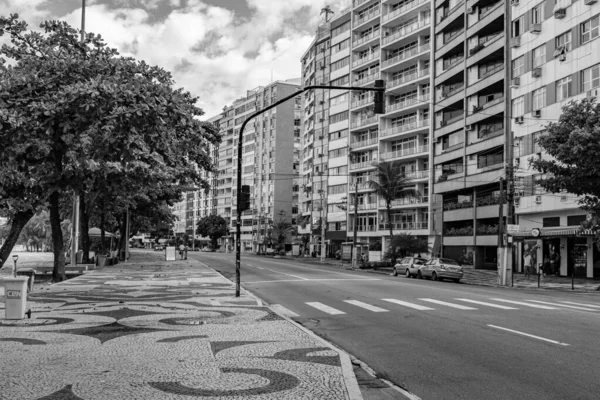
(152, 330)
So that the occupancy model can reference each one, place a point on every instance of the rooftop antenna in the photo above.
(326, 10)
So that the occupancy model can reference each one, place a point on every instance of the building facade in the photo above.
(555, 59)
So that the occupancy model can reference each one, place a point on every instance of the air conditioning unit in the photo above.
(560, 13)
(519, 120)
(519, 193)
(537, 113)
(562, 57)
(593, 93)
(443, 122)
(469, 127)
(514, 2)
(322, 102)
(471, 10)
(515, 42)
(516, 82)
(538, 199)
(535, 28)
(536, 72)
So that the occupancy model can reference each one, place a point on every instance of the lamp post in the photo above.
(15, 258)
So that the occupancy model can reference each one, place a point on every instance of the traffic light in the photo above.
(379, 99)
(245, 198)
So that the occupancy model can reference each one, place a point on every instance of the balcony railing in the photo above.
(362, 122)
(367, 16)
(371, 56)
(364, 164)
(364, 143)
(366, 38)
(405, 152)
(358, 3)
(404, 127)
(403, 226)
(407, 201)
(411, 101)
(403, 31)
(417, 174)
(364, 206)
(366, 79)
(492, 71)
(406, 54)
(366, 100)
(402, 9)
(407, 78)
(365, 228)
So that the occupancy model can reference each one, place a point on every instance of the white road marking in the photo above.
(315, 280)
(580, 304)
(564, 305)
(280, 280)
(324, 308)
(525, 304)
(314, 269)
(410, 305)
(366, 306)
(214, 302)
(260, 267)
(459, 306)
(529, 335)
(483, 303)
(259, 302)
(293, 276)
(282, 310)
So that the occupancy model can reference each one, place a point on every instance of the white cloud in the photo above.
(211, 52)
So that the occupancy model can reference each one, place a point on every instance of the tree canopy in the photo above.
(213, 227)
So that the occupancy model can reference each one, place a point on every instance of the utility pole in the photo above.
(354, 247)
(501, 252)
(323, 246)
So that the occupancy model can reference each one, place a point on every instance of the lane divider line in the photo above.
(564, 305)
(443, 303)
(285, 311)
(366, 306)
(522, 303)
(483, 303)
(529, 335)
(325, 308)
(215, 302)
(409, 305)
(580, 304)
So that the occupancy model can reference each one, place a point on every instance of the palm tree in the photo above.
(391, 184)
(326, 10)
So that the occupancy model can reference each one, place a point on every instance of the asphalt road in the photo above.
(433, 338)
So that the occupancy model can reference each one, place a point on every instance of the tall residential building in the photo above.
(343, 139)
(471, 126)
(555, 58)
(270, 161)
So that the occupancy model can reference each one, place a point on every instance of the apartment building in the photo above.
(555, 58)
(270, 161)
(471, 126)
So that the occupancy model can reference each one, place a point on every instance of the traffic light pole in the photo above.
(379, 89)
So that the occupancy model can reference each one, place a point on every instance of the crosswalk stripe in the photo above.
(324, 308)
(564, 305)
(580, 304)
(483, 303)
(410, 305)
(282, 310)
(525, 304)
(366, 306)
(460, 307)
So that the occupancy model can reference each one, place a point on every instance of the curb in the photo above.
(345, 358)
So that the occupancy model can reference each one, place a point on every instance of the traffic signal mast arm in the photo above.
(379, 107)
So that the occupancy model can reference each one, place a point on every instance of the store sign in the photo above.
(512, 228)
(346, 252)
(535, 232)
(13, 294)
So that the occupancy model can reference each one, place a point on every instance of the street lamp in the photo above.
(15, 258)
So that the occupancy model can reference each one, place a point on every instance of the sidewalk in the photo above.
(148, 329)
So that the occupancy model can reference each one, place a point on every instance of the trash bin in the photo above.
(15, 290)
(101, 261)
(30, 273)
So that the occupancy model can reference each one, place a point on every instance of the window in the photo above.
(590, 29)
(539, 56)
(590, 78)
(340, 64)
(517, 26)
(343, 116)
(518, 106)
(550, 222)
(340, 29)
(341, 81)
(563, 89)
(338, 152)
(539, 98)
(573, 220)
(340, 46)
(338, 100)
(518, 66)
(337, 189)
(564, 41)
(537, 13)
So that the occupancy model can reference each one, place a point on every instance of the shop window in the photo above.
(550, 222)
(575, 220)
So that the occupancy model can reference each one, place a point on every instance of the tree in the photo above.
(280, 232)
(574, 144)
(391, 184)
(213, 227)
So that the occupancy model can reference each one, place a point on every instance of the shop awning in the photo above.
(556, 231)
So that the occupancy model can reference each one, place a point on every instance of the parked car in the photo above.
(440, 269)
(409, 266)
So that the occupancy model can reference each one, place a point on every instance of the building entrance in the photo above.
(577, 261)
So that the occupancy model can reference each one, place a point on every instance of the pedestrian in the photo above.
(181, 248)
(185, 250)
(527, 264)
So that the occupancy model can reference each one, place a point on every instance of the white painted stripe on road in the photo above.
(324, 308)
(483, 303)
(366, 306)
(293, 276)
(214, 303)
(282, 310)
(564, 305)
(580, 304)
(259, 302)
(529, 335)
(410, 305)
(522, 303)
(443, 303)
(315, 280)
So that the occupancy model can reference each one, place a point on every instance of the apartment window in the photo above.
(338, 152)
(338, 171)
(517, 26)
(340, 46)
(539, 56)
(564, 41)
(340, 64)
(338, 100)
(539, 98)
(343, 116)
(338, 135)
(341, 29)
(590, 29)
(341, 81)
(518, 66)
(337, 189)
(590, 78)
(518, 106)
(563, 89)
(537, 13)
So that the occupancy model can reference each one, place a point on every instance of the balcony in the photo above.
(405, 152)
(364, 228)
(407, 102)
(390, 37)
(407, 201)
(363, 164)
(366, 17)
(423, 174)
(403, 226)
(406, 54)
(366, 79)
(367, 100)
(372, 56)
(407, 78)
(365, 39)
(403, 9)
(363, 207)
(363, 122)
(357, 3)
(364, 143)
(404, 127)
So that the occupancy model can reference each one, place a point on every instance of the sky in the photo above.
(215, 49)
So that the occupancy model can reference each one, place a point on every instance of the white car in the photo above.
(409, 266)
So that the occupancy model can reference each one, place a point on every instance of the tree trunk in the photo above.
(389, 217)
(19, 220)
(122, 238)
(102, 233)
(84, 227)
(58, 272)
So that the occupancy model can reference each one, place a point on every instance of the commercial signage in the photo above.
(13, 294)
(512, 228)
(346, 252)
